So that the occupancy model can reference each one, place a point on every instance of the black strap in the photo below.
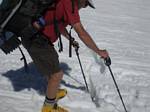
(60, 44)
(70, 37)
(70, 43)
(58, 34)
(73, 3)
(56, 28)
(25, 61)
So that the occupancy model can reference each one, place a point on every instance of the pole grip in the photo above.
(107, 61)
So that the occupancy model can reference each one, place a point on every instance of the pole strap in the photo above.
(24, 59)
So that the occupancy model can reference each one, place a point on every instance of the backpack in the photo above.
(22, 12)
(14, 12)
(8, 40)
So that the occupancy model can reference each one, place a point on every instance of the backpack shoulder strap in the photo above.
(73, 3)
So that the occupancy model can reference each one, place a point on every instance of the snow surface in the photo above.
(120, 26)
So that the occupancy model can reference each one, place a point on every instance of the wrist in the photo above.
(98, 51)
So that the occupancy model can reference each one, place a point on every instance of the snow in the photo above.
(120, 26)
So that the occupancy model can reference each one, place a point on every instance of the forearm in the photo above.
(85, 37)
(89, 42)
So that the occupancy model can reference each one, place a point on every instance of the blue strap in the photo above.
(41, 21)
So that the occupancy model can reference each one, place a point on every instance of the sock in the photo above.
(50, 102)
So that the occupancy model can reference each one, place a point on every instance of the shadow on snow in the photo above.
(33, 79)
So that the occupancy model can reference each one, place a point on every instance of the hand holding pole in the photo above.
(107, 61)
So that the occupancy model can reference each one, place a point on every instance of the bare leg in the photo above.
(52, 88)
(53, 84)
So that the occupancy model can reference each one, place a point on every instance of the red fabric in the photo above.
(63, 9)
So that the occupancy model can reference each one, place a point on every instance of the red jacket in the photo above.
(63, 9)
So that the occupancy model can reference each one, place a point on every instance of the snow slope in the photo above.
(120, 26)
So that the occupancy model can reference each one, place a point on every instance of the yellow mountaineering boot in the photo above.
(61, 94)
(55, 108)
(50, 105)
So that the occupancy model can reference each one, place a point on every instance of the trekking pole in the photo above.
(77, 53)
(71, 39)
(108, 63)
